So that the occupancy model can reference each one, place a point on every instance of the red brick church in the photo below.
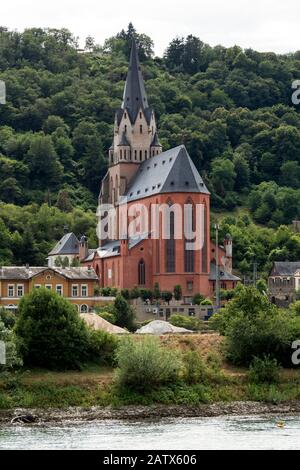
(140, 173)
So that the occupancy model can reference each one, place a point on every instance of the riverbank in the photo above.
(77, 415)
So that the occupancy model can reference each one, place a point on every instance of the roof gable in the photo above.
(67, 245)
(170, 171)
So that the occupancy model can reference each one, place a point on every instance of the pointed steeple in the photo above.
(134, 96)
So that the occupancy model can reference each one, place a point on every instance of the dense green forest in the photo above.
(231, 107)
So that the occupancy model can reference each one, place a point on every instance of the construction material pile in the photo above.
(98, 323)
(160, 327)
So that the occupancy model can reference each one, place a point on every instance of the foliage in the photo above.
(123, 313)
(8, 318)
(50, 332)
(254, 328)
(190, 323)
(144, 364)
(166, 296)
(177, 292)
(197, 299)
(102, 347)
(264, 370)
(110, 317)
(206, 302)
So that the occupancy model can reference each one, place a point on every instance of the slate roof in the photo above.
(155, 141)
(67, 245)
(25, 273)
(224, 275)
(285, 268)
(170, 171)
(124, 141)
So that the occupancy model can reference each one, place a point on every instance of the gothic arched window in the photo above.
(170, 243)
(142, 273)
(189, 255)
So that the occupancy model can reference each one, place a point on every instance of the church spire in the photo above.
(134, 97)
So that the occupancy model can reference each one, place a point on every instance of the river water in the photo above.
(230, 432)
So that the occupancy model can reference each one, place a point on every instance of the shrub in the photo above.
(177, 292)
(102, 346)
(8, 318)
(146, 294)
(197, 370)
(144, 364)
(50, 332)
(156, 291)
(106, 291)
(197, 299)
(264, 370)
(123, 313)
(135, 293)
(166, 296)
(206, 302)
(125, 293)
(113, 291)
(108, 317)
(189, 323)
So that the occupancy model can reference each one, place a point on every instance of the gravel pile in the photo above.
(160, 327)
(98, 323)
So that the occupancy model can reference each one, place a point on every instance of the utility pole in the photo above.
(217, 227)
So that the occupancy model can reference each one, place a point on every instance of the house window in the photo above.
(74, 290)
(142, 273)
(10, 290)
(20, 290)
(84, 308)
(37, 286)
(84, 290)
(59, 289)
(189, 285)
(48, 286)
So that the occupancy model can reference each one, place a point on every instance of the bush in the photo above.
(197, 299)
(177, 292)
(264, 370)
(190, 323)
(206, 302)
(135, 293)
(123, 313)
(146, 294)
(144, 364)
(108, 317)
(166, 296)
(50, 332)
(125, 293)
(196, 370)
(106, 291)
(8, 318)
(255, 327)
(102, 346)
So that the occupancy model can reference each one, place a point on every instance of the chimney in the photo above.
(124, 246)
(83, 248)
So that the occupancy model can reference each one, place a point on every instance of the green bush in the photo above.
(102, 347)
(198, 370)
(125, 293)
(123, 313)
(264, 370)
(144, 364)
(8, 318)
(106, 291)
(50, 332)
(206, 302)
(190, 323)
(108, 317)
(197, 299)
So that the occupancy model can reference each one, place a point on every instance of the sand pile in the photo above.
(160, 327)
(98, 323)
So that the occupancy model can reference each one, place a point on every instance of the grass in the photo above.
(94, 385)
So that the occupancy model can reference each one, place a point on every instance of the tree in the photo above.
(123, 313)
(167, 296)
(156, 291)
(50, 331)
(177, 292)
(64, 201)
(9, 351)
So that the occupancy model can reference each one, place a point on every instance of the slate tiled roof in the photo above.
(170, 171)
(285, 268)
(25, 273)
(224, 275)
(67, 245)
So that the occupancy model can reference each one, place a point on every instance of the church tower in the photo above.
(135, 134)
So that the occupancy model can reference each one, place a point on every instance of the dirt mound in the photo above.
(160, 327)
(98, 323)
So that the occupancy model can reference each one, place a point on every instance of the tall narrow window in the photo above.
(142, 273)
(189, 255)
(141, 128)
(125, 128)
(141, 155)
(135, 154)
(204, 249)
(146, 154)
(170, 245)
